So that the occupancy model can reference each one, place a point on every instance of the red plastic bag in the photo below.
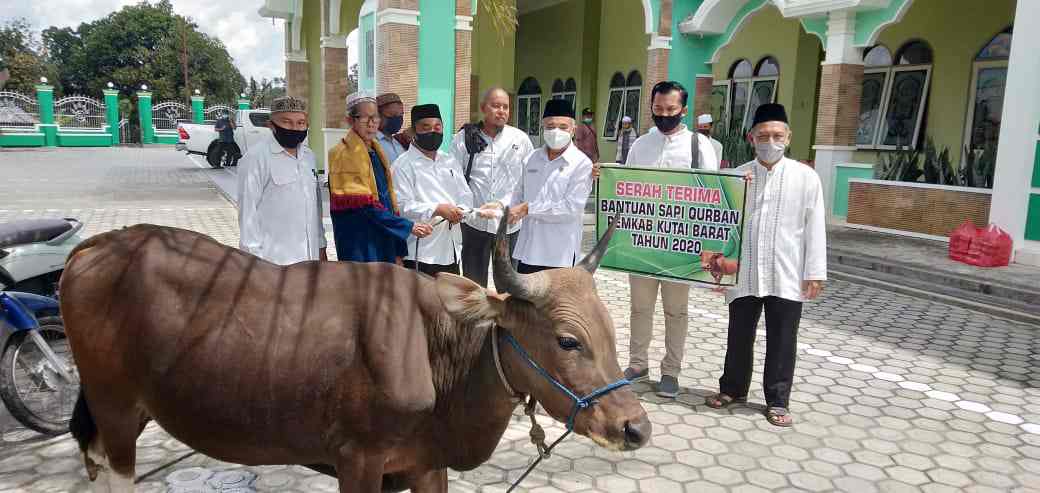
(991, 248)
(960, 241)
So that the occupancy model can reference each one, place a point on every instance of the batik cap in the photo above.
(288, 104)
(358, 98)
(387, 98)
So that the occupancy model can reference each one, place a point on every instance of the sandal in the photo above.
(720, 400)
(779, 416)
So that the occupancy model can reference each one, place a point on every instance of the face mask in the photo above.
(667, 123)
(288, 138)
(556, 139)
(393, 124)
(587, 121)
(705, 132)
(430, 141)
(770, 152)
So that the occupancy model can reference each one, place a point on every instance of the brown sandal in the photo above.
(778, 416)
(720, 400)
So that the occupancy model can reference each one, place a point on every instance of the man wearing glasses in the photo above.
(366, 221)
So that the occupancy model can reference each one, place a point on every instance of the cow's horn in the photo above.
(592, 260)
(530, 287)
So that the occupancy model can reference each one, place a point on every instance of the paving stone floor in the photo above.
(891, 393)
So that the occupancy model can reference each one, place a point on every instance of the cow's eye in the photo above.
(568, 343)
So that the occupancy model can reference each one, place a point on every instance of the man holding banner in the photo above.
(668, 145)
(783, 263)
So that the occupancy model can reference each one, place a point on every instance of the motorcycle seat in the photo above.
(32, 231)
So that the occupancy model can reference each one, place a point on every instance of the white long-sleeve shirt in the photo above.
(278, 216)
(555, 192)
(784, 241)
(495, 171)
(421, 185)
(657, 150)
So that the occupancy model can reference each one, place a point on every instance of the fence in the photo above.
(166, 116)
(80, 113)
(18, 111)
(213, 113)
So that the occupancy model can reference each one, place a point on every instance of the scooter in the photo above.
(39, 383)
(33, 253)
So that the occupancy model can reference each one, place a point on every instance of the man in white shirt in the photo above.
(279, 216)
(429, 184)
(498, 152)
(668, 145)
(551, 195)
(784, 252)
(704, 124)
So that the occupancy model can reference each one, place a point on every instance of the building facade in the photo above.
(863, 81)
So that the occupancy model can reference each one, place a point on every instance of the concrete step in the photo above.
(1014, 301)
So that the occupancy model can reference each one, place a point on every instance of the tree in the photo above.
(20, 51)
(352, 79)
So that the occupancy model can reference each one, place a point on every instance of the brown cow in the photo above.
(385, 374)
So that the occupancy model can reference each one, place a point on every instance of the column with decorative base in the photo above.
(112, 114)
(144, 115)
(198, 114)
(45, 99)
(841, 84)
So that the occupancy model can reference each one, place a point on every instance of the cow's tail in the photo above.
(82, 425)
(84, 430)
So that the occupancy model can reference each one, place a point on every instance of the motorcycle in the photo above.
(39, 383)
(33, 253)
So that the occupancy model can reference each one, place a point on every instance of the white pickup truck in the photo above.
(200, 138)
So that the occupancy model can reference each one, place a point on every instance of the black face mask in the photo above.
(667, 123)
(392, 125)
(430, 141)
(288, 138)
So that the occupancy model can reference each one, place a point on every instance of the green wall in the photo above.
(437, 58)
(494, 59)
(842, 174)
(956, 30)
(366, 79)
(549, 47)
(767, 33)
(311, 34)
(623, 41)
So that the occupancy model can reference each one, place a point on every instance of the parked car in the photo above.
(200, 138)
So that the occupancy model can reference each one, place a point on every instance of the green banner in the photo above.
(674, 224)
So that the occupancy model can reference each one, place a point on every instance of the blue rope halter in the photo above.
(579, 402)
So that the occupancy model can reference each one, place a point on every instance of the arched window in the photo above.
(625, 95)
(893, 97)
(568, 90)
(749, 86)
(989, 77)
(877, 56)
(528, 106)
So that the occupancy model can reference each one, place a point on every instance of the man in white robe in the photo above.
(784, 256)
(279, 218)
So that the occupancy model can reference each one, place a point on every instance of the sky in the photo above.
(256, 44)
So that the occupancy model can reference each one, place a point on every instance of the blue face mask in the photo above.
(393, 124)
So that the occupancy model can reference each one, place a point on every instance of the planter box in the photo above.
(918, 209)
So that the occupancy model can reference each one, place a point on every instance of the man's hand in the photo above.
(749, 176)
(595, 171)
(811, 289)
(475, 144)
(399, 261)
(449, 212)
(421, 230)
(323, 255)
(517, 213)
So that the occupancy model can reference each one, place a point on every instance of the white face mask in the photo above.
(556, 139)
(770, 152)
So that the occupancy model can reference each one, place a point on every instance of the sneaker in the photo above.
(636, 376)
(669, 386)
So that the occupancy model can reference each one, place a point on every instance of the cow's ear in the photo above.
(466, 300)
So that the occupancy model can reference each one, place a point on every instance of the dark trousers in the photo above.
(530, 269)
(476, 253)
(782, 318)
(229, 149)
(432, 269)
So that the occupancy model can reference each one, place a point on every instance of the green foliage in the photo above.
(937, 166)
(261, 94)
(735, 147)
(901, 165)
(979, 165)
(139, 44)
